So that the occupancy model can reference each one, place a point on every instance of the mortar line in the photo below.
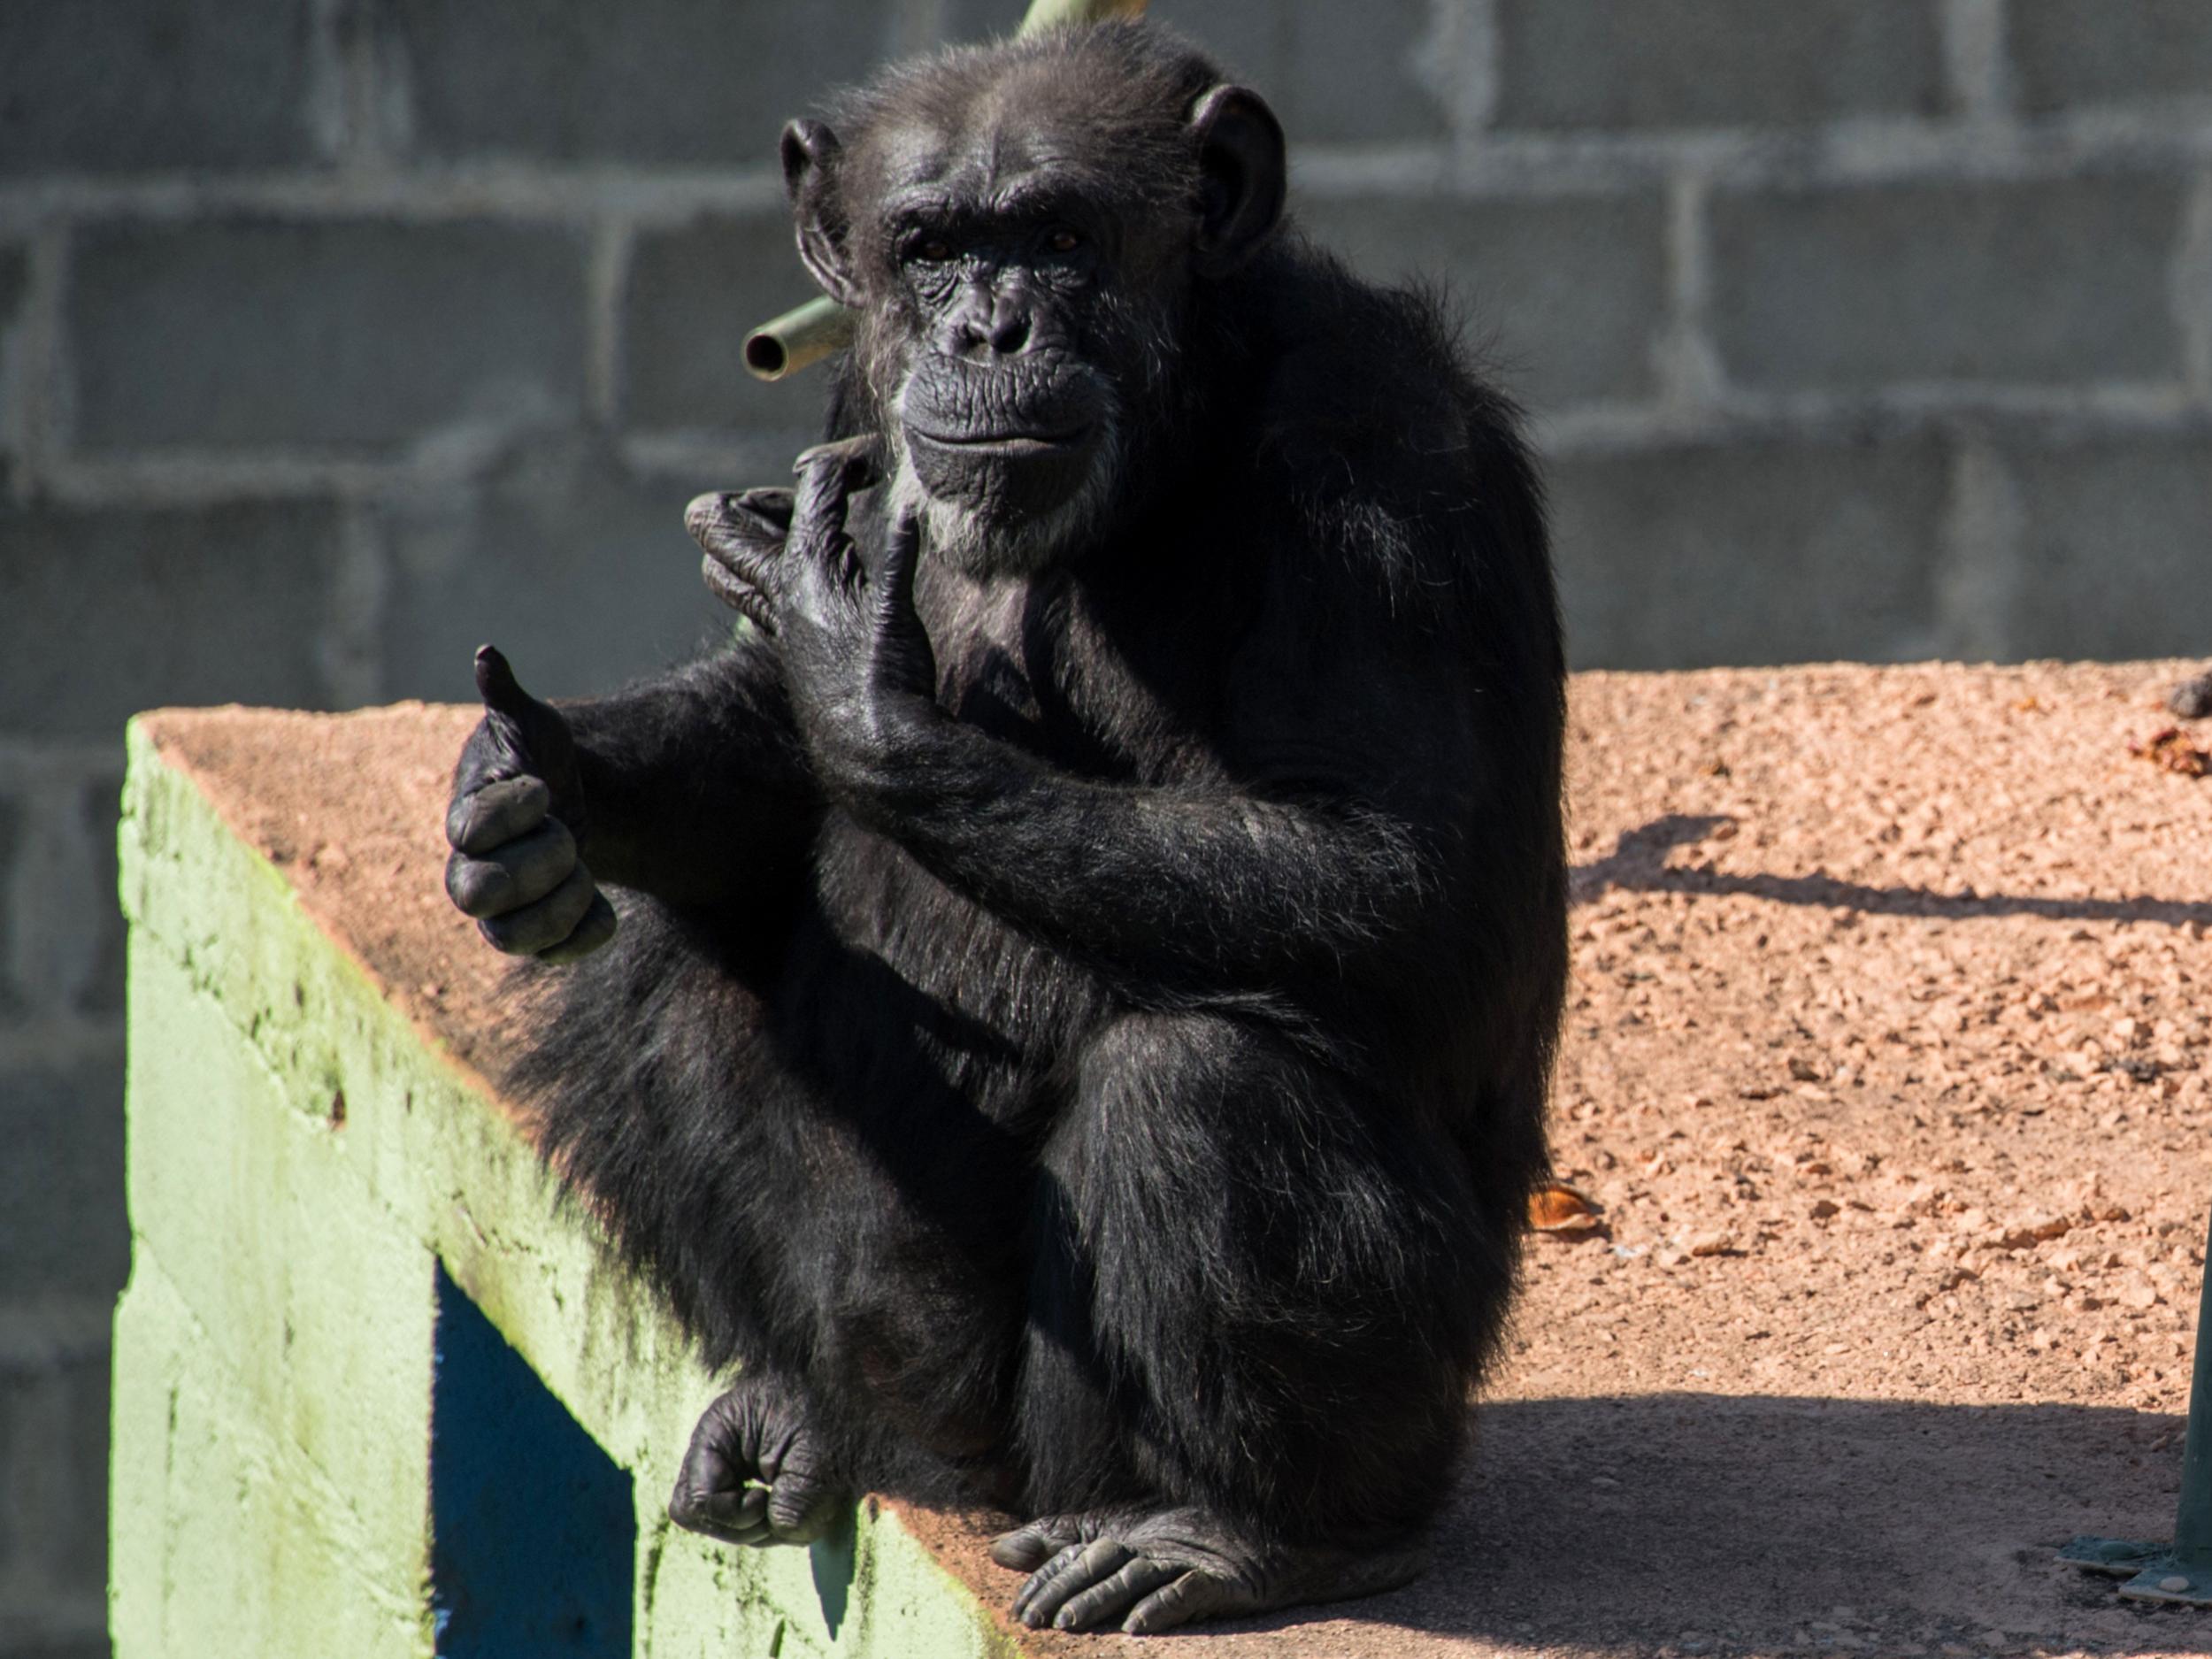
(607, 279)
(1456, 58)
(1882, 151)
(62, 1042)
(1689, 370)
(41, 401)
(2190, 287)
(51, 956)
(327, 103)
(350, 649)
(1977, 579)
(30, 762)
(1977, 60)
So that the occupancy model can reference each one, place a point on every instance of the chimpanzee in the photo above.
(1090, 953)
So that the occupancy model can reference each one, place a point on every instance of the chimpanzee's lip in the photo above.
(1012, 445)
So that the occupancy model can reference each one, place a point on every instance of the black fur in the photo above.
(1123, 1102)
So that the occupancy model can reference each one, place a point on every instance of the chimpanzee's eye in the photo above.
(933, 250)
(1063, 240)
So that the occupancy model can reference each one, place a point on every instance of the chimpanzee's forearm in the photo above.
(695, 786)
(1210, 889)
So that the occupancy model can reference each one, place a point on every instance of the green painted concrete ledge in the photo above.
(308, 1143)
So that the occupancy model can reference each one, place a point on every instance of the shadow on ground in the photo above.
(1639, 863)
(1698, 1523)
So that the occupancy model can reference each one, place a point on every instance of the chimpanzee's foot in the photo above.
(754, 1475)
(1152, 1572)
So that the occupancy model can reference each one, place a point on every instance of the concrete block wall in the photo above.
(336, 335)
(376, 1393)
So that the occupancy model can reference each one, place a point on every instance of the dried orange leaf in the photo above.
(1557, 1207)
(2172, 751)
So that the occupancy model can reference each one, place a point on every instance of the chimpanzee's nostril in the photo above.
(1010, 334)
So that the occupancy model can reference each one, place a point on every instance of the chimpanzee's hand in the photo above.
(517, 814)
(855, 656)
(743, 536)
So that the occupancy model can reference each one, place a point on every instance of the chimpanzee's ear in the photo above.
(1242, 174)
(811, 156)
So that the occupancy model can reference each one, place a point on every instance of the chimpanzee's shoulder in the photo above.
(1368, 389)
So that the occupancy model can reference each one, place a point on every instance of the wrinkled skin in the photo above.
(1074, 1012)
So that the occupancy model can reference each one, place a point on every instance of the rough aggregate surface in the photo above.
(1888, 1058)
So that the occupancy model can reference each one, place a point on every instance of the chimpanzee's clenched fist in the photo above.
(516, 823)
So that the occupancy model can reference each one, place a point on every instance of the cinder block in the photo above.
(1566, 296)
(1756, 554)
(2115, 548)
(53, 1464)
(344, 336)
(155, 85)
(62, 1231)
(1621, 63)
(229, 1537)
(105, 613)
(692, 294)
(315, 1303)
(581, 573)
(659, 80)
(2091, 52)
(2057, 281)
(1334, 75)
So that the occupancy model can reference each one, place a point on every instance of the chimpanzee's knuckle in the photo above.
(494, 813)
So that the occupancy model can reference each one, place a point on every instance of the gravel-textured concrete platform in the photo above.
(1887, 1058)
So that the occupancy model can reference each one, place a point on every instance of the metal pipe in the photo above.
(807, 334)
(2193, 1517)
(803, 334)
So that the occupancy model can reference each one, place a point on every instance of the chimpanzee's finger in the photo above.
(740, 595)
(541, 925)
(771, 504)
(752, 524)
(599, 925)
(1194, 1595)
(513, 874)
(895, 582)
(1073, 1571)
(1028, 1547)
(858, 460)
(498, 812)
(1110, 1597)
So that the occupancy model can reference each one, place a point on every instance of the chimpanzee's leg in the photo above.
(1261, 1295)
(817, 1204)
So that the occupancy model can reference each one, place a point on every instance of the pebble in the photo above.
(2192, 699)
(2173, 1583)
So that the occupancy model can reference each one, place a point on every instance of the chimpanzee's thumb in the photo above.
(534, 734)
(497, 684)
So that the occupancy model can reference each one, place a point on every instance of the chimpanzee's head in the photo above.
(1022, 229)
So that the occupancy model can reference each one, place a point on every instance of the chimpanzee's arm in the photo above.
(696, 785)
(1214, 889)
(1223, 888)
(694, 788)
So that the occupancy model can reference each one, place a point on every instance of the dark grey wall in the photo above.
(336, 335)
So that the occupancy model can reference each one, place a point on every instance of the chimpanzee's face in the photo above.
(1012, 285)
(1023, 257)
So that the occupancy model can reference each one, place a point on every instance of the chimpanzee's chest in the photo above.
(986, 1007)
(1078, 681)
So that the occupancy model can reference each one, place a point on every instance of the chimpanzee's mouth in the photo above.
(1012, 445)
(1006, 473)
